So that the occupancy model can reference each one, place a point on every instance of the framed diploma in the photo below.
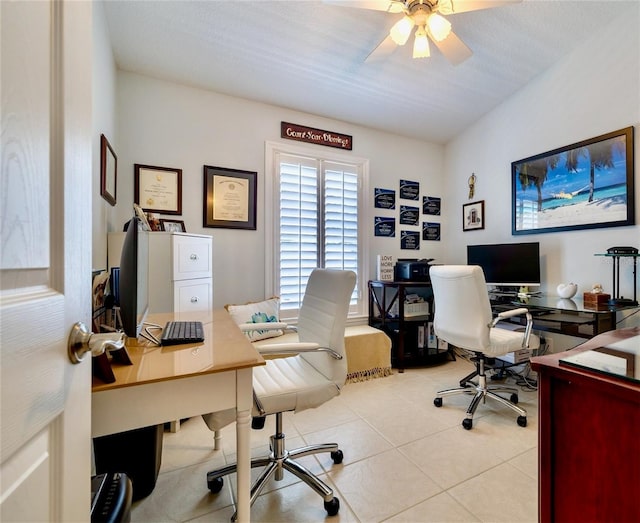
(158, 189)
(229, 198)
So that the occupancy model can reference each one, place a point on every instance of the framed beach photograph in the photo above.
(586, 185)
(229, 198)
(158, 189)
(473, 216)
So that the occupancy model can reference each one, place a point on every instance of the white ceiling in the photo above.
(309, 55)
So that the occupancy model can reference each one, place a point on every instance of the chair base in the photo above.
(481, 392)
(280, 460)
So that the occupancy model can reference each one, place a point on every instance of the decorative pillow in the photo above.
(257, 312)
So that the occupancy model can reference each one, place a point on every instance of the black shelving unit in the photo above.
(412, 342)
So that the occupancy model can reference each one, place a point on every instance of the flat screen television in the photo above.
(507, 265)
(134, 279)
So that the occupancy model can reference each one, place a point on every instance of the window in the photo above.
(316, 219)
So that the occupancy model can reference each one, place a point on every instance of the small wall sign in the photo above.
(384, 198)
(431, 205)
(300, 133)
(384, 226)
(410, 240)
(409, 190)
(409, 215)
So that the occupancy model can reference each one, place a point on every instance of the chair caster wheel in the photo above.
(437, 402)
(522, 421)
(332, 507)
(215, 485)
(337, 457)
(467, 423)
(514, 398)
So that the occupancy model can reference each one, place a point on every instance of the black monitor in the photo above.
(507, 264)
(134, 282)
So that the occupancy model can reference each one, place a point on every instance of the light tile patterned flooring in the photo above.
(404, 459)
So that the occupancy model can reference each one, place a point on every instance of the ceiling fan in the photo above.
(427, 17)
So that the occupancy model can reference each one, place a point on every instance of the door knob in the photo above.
(82, 340)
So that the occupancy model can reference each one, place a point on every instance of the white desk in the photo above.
(169, 383)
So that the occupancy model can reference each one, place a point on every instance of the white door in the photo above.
(45, 259)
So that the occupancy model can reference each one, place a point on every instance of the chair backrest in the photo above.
(462, 310)
(323, 317)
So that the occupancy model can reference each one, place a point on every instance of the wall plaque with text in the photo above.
(300, 133)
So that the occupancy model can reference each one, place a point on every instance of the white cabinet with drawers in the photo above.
(180, 270)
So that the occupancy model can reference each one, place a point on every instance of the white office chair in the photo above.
(463, 318)
(313, 374)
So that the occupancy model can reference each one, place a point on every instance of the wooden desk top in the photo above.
(225, 348)
(550, 363)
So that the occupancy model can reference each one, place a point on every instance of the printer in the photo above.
(412, 270)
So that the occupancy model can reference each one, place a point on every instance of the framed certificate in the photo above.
(229, 198)
(158, 189)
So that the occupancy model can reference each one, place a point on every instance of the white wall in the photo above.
(169, 125)
(104, 122)
(593, 91)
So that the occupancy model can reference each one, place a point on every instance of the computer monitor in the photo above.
(134, 279)
(507, 264)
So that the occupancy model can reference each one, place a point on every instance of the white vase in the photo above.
(567, 290)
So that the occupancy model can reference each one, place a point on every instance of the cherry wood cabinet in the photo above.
(589, 440)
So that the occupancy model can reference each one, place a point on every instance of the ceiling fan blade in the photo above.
(389, 6)
(448, 7)
(454, 49)
(384, 49)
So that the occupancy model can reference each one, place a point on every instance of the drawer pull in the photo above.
(194, 299)
(193, 257)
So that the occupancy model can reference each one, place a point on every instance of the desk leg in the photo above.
(244, 400)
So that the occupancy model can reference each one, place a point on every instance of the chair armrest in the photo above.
(296, 348)
(513, 312)
(517, 312)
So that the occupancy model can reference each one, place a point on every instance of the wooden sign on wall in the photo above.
(301, 133)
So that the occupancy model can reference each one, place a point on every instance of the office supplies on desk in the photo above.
(178, 332)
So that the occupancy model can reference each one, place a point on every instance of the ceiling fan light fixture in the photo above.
(439, 27)
(421, 44)
(401, 30)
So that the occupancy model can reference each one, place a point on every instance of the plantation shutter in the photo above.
(318, 224)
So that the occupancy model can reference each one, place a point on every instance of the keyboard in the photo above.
(178, 332)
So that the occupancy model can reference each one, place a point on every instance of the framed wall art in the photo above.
(108, 171)
(229, 198)
(473, 216)
(158, 189)
(585, 185)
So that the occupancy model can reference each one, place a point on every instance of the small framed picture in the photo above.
(473, 216)
(172, 225)
(108, 170)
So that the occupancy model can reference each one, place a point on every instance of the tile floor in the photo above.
(404, 459)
